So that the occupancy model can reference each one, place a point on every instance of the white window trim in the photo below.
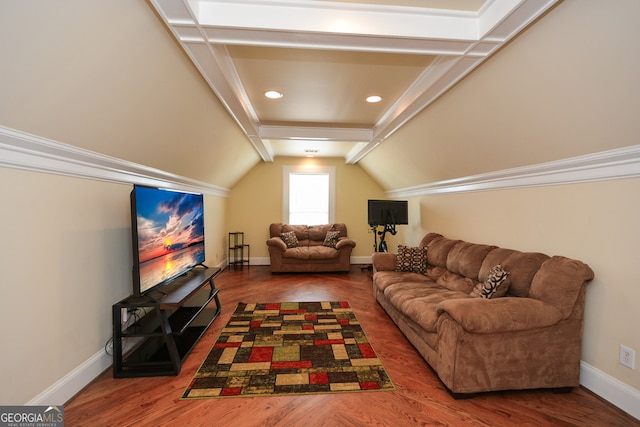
(330, 170)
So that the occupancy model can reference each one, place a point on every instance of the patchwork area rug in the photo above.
(270, 349)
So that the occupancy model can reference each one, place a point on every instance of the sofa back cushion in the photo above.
(428, 238)
(559, 281)
(317, 233)
(307, 235)
(466, 258)
(438, 249)
(302, 232)
(522, 266)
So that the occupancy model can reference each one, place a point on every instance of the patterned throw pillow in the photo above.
(290, 239)
(412, 259)
(489, 289)
(331, 239)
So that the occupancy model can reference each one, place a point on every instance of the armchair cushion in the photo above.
(331, 239)
(290, 239)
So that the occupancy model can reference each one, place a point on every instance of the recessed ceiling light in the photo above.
(273, 94)
(374, 98)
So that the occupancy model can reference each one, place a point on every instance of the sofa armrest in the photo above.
(277, 242)
(344, 242)
(509, 314)
(384, 261)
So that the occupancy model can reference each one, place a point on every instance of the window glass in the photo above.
(308, 195)
(308, 198)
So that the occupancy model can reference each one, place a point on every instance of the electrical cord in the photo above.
(134, 316)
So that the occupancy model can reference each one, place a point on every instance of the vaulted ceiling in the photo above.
(326, 56)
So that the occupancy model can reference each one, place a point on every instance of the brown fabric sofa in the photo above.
(310, 254)
(530, 338)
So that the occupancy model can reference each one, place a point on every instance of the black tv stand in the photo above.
(169, 329)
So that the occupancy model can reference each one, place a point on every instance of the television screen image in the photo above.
(168, 235)
(383, 212)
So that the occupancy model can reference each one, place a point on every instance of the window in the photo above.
(308, 195)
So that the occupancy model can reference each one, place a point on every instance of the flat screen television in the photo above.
(392, 212)
(167, 230)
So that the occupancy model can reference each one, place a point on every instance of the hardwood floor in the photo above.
(420, 398)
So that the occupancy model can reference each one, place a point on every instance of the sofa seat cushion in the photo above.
(310, 252)
(382, 279)
(419, 302)
(456, 282)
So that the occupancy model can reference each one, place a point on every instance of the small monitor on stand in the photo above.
(388, 214)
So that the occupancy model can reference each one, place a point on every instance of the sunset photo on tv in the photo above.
(170, 233)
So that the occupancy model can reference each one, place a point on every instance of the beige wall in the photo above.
(109, 77)
(594, 222)
(567, 86)
(65, 260)
(256, 201)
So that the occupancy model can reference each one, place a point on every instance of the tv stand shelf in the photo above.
(173, 320)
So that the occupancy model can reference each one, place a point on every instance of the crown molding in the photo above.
(612, 164)
(21, 150)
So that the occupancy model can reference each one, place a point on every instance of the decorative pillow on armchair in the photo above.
(290, 239)
(331, 239)
(494, 286)
(412, 259)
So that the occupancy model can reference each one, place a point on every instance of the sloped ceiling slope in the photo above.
(326, 57)
(108, 77)
(544, 97)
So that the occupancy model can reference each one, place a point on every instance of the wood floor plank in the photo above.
(419, 400)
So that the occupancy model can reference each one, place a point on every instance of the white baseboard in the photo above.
(73, 383)
(610, 389)
(69, 385)
(361, 259)
(354, 260)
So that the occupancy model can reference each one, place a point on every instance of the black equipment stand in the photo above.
(388, 228)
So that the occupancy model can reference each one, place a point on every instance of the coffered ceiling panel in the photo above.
(324, 87)
(326, 56)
